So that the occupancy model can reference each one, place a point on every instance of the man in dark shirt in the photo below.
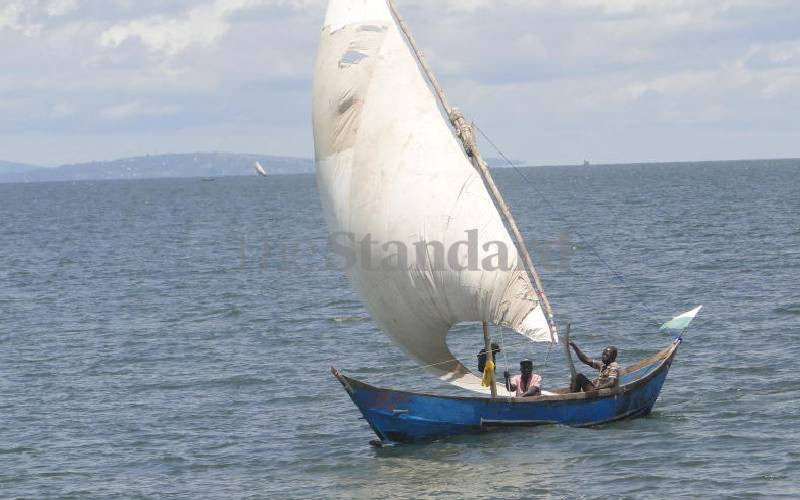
(607, 366)
(482, 357)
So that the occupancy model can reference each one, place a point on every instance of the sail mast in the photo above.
(467, 137)
(487, 340)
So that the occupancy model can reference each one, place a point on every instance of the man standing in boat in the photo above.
(526, 383)
(607, 366)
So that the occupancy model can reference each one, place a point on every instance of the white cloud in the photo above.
(9, 15)
(19, 15)
(61, 7)
(13, 16)
(200, 26)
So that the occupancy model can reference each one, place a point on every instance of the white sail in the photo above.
(260, 170)
(397, 188)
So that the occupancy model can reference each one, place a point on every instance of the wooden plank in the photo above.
(573, 373)
(487, 340)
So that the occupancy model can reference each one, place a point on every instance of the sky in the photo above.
(550, 81)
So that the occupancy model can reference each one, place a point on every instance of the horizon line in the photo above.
(516, 163)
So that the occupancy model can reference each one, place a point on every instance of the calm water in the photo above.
(173, 338)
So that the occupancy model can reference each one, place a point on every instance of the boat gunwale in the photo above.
(662, 358)
(486, 424)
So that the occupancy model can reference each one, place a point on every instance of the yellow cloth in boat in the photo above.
(488, 370)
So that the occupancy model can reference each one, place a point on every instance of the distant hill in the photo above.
(159, 166)
(7, 167)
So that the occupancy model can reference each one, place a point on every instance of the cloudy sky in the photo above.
(551, 81)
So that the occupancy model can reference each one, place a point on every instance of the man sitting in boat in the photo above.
(526, 383)
(482, 357)
(607, 366)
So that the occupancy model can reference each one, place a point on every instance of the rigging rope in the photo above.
(614, 273)
(503, 349)
(547, 356)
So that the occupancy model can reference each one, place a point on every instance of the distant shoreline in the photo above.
(185, 165)
(220, 165)
(659, 163)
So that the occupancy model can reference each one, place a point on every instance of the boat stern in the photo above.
(403, 417)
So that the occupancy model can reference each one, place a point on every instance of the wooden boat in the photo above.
(406, 417)
(412, 207)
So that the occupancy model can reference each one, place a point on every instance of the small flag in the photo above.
(681, 322)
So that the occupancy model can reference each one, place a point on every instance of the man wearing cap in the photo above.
(606, 365)
(525, 384)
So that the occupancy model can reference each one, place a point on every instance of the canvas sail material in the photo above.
(423, 242)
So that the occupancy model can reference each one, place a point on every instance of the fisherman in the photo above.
(607, 366)
(482, 357)
(526, 383)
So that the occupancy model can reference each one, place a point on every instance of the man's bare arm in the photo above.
(581, 356)
(509, 386)
(533, 391)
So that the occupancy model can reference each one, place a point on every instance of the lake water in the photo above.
(172, 338)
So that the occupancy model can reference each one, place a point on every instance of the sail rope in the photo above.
(503, 349)
(547, 356)
(614, 273)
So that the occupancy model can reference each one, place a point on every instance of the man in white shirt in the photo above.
(525, 384)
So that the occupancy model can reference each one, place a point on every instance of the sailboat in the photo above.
(260, 169)
(398, 167)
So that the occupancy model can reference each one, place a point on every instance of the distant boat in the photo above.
(260, 170)
(207, 179)
(586, 163)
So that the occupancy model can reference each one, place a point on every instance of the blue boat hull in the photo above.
(407, 417)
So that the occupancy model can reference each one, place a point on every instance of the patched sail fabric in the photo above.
(425, 245)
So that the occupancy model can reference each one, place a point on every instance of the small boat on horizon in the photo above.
(260, 170)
